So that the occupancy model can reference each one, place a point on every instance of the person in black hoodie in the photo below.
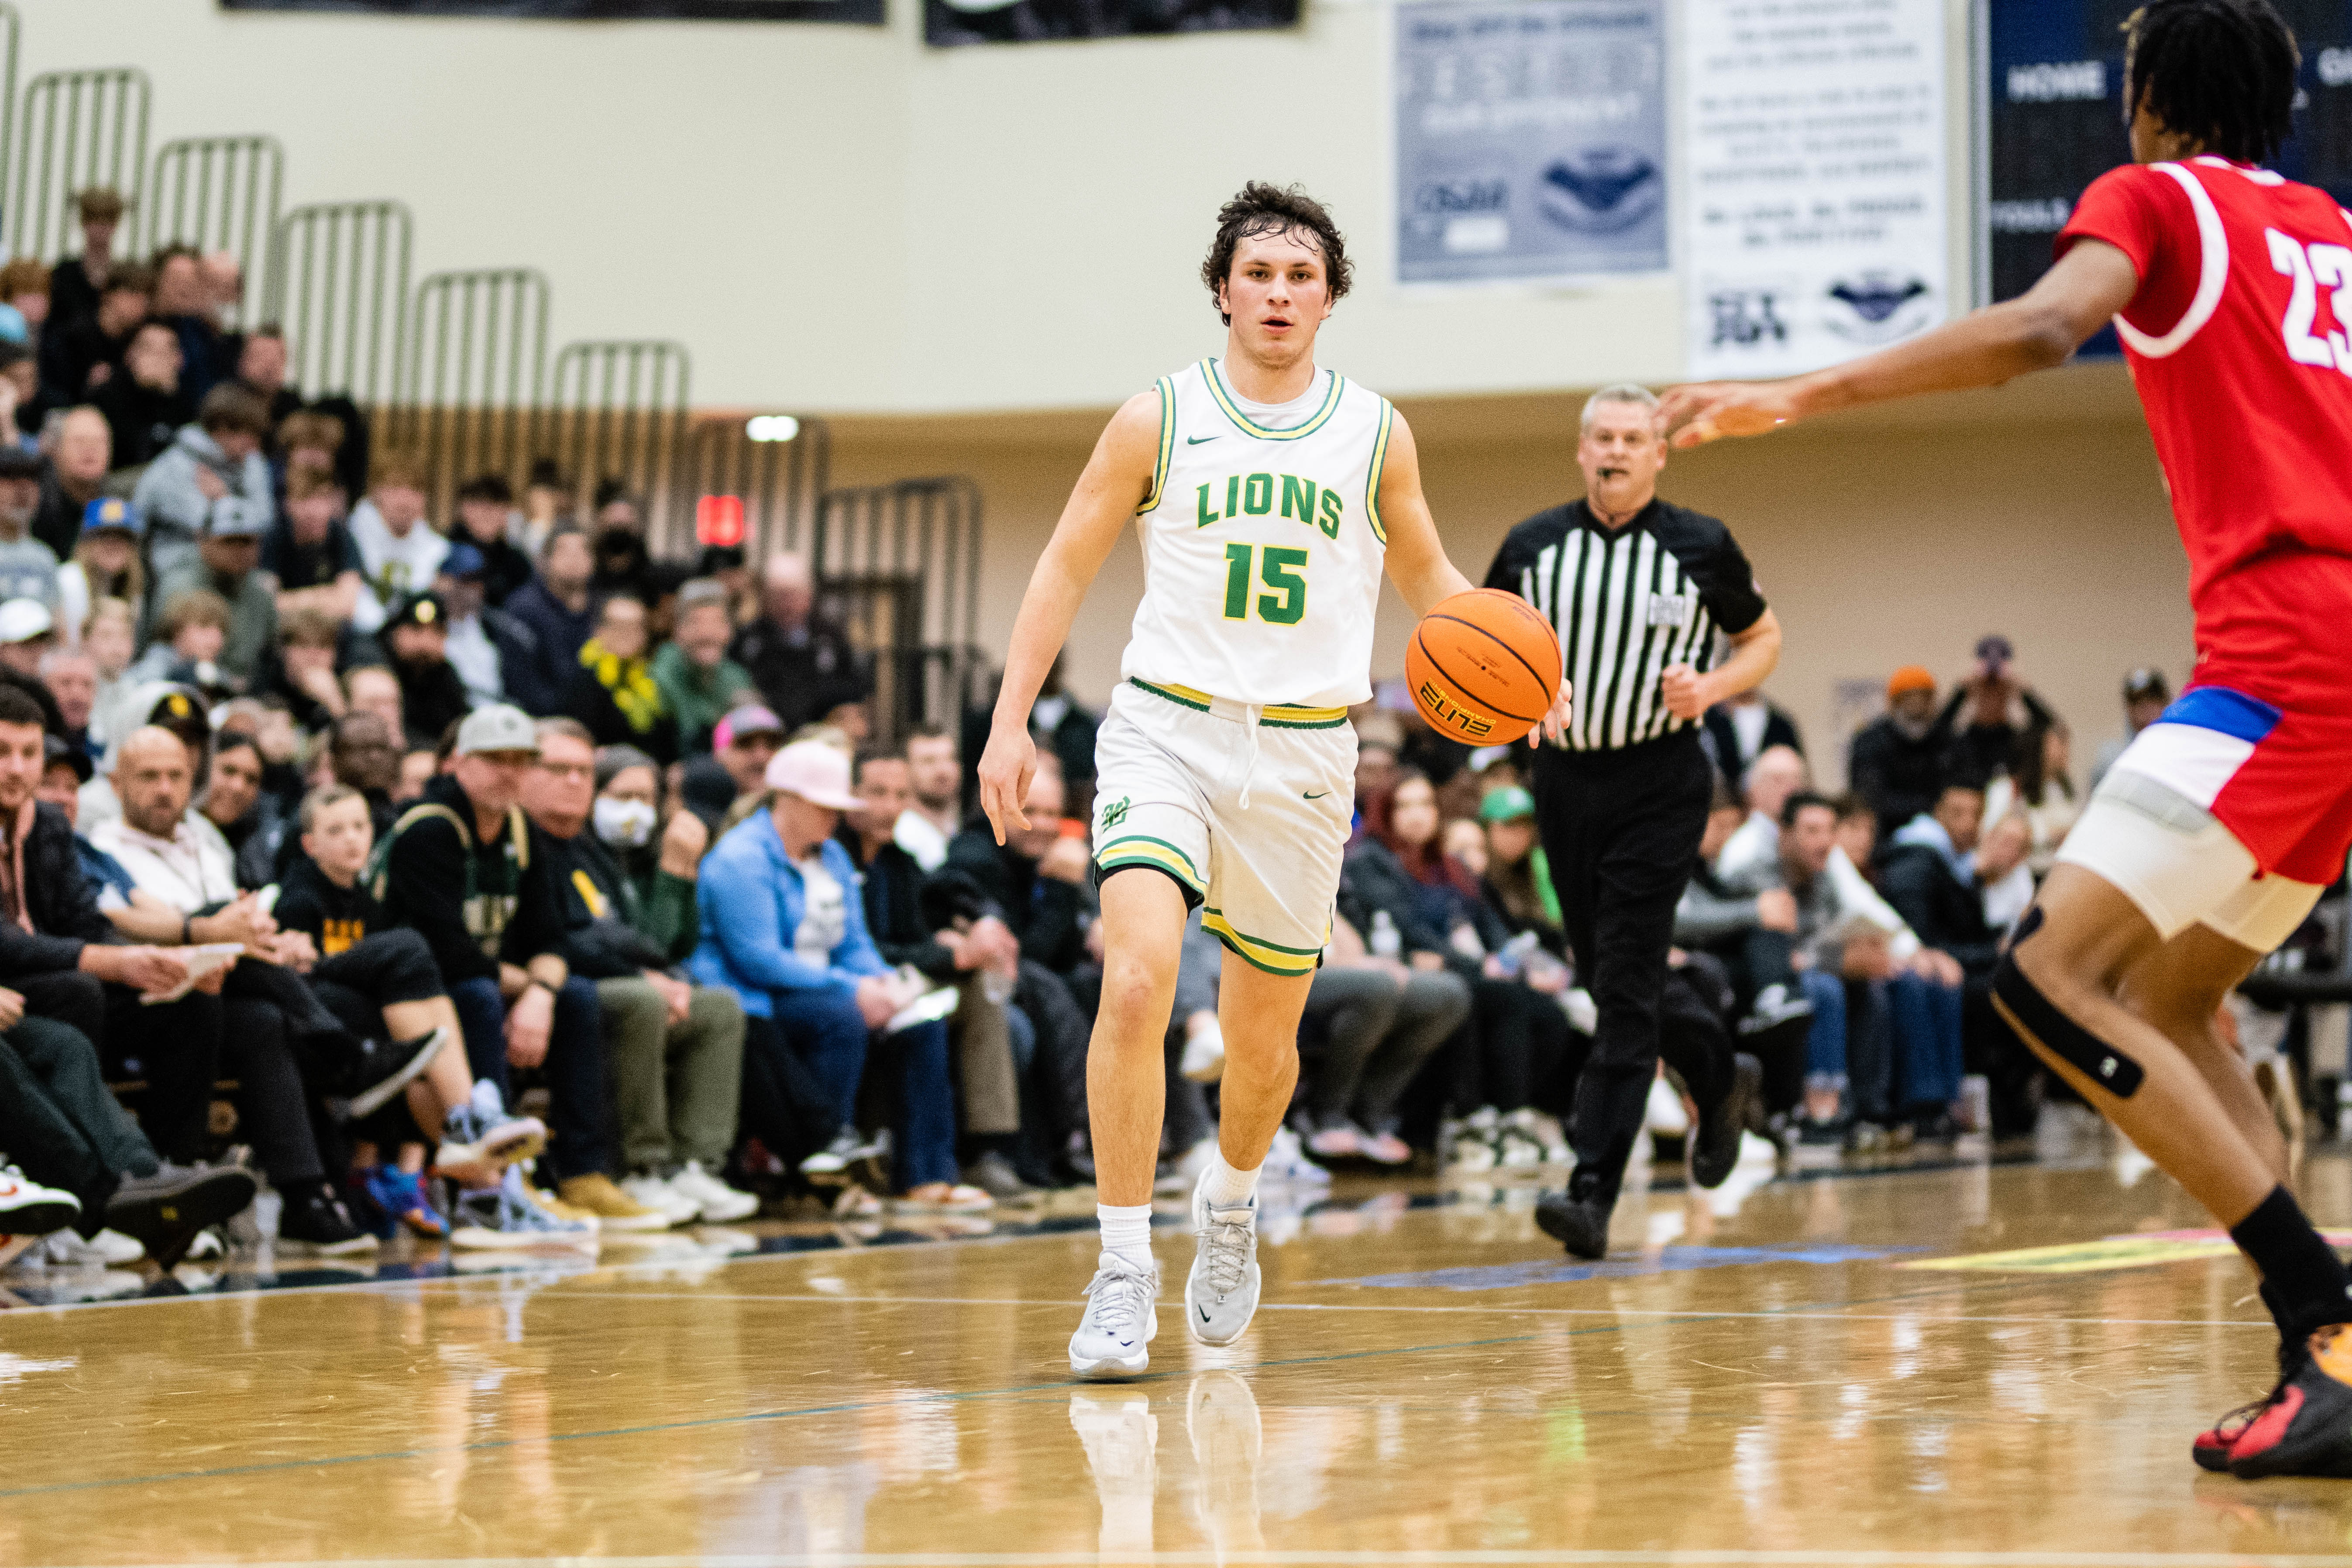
(1037, 880)
(676, 1049)
(1925, 872)
(465, 868)
(432, 694)
(485, 506)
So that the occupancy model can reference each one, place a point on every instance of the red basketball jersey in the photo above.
(2239, 342)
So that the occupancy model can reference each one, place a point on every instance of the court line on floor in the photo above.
(1800, 1316)
(1472, 1557)
(936, 1396)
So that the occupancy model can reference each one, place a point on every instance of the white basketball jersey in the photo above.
(1263, 548)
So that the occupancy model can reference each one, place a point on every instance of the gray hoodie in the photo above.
(176, 508)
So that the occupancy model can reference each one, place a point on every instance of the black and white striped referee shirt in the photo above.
(1628, 602)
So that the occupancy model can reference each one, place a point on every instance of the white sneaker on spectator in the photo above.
(479, 1138)
(1474, 1147)
(653, 1193)
(28, 1208)
(1205, 1053)
(848, 1146)
(107, 1249)
(1287, 1162)
(210, 1243)
(718, 1202)
(1520, 1140)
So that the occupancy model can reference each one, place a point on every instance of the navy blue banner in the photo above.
(2057, 120)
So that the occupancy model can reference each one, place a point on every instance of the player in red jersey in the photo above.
(2212, 838)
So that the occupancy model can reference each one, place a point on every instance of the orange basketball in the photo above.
(1484, 666)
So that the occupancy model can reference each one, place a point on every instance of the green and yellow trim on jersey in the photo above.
(1166, 387)
(1277, 716)
(1271, 957)
(1215, 381)
(1380, 460)
(1140, 849)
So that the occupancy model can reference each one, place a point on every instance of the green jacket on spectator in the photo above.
(659, 903)
(697, 698)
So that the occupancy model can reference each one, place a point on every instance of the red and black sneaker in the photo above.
(2212, 1446)
(2305, 1427)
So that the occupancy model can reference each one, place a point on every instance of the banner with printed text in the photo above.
(1813, 175)
(1530, 140)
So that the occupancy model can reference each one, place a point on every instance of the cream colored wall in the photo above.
(841, 218)
(2036, 510)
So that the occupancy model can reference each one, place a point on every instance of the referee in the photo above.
(1637, 589)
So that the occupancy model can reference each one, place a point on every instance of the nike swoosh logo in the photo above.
(1196, 440)
(1204, 1314)
(1315, 795)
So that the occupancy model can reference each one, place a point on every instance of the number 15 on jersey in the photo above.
(1277, 565)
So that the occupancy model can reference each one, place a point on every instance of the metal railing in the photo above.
(617, 410)
(217, 192)
(80, 128)
(12, 28)
(779, 465)
(899, 567)
(338, 281)
(475, 373)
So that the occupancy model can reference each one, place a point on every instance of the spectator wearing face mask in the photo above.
(614, 693)
(698, 682)
(676, 1049)
(662, 863)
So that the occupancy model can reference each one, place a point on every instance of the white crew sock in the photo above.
(1228, 1187)
(1126, 1235)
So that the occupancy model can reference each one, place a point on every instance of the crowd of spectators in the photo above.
(526, 888)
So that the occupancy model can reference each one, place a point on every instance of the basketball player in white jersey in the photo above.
(1269, 494)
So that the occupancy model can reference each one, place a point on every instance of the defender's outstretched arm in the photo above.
(1117, 480)
(2037, 330)
(1417, 562)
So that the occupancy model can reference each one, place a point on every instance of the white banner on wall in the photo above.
(1814, 210)
(1530, 139)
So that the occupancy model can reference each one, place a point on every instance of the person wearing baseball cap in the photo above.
(465, 868)
(433, 695)
(227, 561)
(1896, 763)
(742, 744)
(795, 950)
(27, 633)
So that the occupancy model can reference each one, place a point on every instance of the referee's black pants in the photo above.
(1621, 830)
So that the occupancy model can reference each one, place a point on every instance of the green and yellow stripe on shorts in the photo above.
(1276, 715)
(1270, 956)
(1140, 849)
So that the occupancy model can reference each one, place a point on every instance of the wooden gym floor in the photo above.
(1841, 1368)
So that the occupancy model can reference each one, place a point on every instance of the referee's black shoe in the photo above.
(1578, 1219)
(1716, 1150)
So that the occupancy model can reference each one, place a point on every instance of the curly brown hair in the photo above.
(1263, 208)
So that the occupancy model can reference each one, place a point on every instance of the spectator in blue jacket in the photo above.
(784, 928)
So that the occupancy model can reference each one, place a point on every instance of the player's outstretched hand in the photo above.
(1563, 709)
(1006, 769)
(1708, 410)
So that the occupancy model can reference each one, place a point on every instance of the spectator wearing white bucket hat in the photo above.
(783, 926)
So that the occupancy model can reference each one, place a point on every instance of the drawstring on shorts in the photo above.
(1251, 713)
